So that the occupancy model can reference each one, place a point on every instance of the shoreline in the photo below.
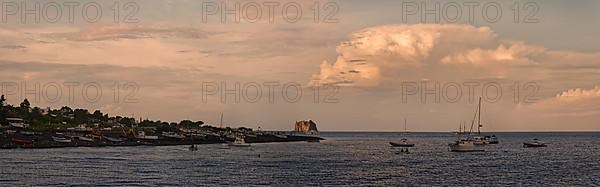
(5, 142)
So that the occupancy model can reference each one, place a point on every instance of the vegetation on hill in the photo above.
(47, 119)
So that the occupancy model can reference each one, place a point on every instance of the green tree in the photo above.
(25, 105)
(186, 123)
(2, 101)
(98, 115)
(81, 116)
(24, 108)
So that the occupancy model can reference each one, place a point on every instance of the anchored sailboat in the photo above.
(478, 139)
(404, 141)
(463, 144)
(466, 142)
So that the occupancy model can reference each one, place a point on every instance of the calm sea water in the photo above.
(343, 159)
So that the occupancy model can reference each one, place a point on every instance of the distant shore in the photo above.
(46, 141)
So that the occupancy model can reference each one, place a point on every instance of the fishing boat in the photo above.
(61, 139)
(404, 141)
(534, 143)
(239, 142)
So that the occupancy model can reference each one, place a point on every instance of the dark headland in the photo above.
(24, 126)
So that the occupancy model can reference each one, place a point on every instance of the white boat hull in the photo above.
(86, 139)
(464, 147)
(62, 140)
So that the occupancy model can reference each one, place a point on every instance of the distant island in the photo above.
(24, 126)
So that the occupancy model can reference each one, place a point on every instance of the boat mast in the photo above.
(479, 117)
(221, 124)
(405, 125)
(473, 122)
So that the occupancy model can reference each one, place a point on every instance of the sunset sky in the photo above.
(369, 54)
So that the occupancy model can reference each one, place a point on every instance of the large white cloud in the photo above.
(378, 55)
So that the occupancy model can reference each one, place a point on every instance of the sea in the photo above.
(343, 159)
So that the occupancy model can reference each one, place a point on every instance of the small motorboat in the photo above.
(239, 142)
(534, 143)
(193, 148)
(403, 143)
(493, 139)
(61, 139)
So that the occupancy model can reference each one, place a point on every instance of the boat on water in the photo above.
(492, 139)
(239, 142)
(17, 122)
(280, 136)
(87, 139)
(534, 143)
(404, 141)
(22, 141)
(142, 135)
(478, 138)
(464, 145)
(111, 139)
(61, 139)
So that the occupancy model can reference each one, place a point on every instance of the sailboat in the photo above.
(463, 144)
(464, 141)
(478, 138)
(404, 141)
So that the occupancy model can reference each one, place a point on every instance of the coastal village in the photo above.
(24, 126)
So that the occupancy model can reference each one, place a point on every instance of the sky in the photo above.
(352, 66)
